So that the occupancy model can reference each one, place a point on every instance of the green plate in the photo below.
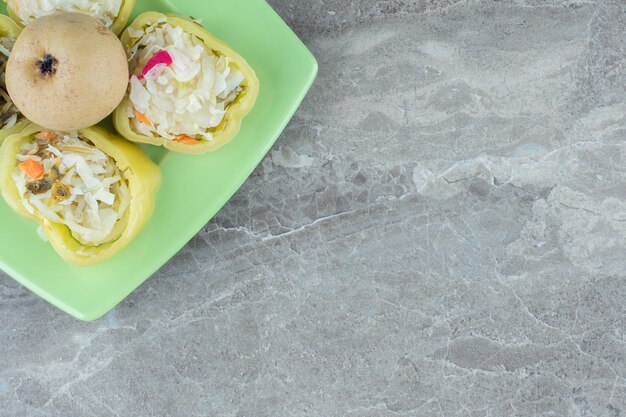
(286, 70)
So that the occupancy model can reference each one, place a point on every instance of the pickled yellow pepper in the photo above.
(235, 112)
(126, 9)
(10, 29)
(142, 175)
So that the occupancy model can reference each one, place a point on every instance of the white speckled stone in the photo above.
(440, 231)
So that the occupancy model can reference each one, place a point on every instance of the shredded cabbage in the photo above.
(81, 187)
(104, 10)
(9, 114)
(188, 97)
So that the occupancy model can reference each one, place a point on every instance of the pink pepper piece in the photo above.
(161, 57)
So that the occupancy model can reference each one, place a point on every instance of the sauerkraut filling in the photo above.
(104, 10)
(180, 89)
(68, 180)
(9, 113)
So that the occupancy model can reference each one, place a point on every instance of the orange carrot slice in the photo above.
(143, 119)
(45, 135)
(32, 168)
(187, 140)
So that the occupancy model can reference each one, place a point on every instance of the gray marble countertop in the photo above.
(440, 231)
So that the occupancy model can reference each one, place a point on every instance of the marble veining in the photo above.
(440, 231)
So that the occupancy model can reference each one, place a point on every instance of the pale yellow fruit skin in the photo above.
(91, 72)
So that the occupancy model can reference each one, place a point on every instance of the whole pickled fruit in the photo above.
(67, 71)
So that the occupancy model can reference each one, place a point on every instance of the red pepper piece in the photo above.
(161, 57)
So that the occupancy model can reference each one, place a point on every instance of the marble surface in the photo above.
(440, 231)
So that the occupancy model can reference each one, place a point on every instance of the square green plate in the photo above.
(286, 70)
